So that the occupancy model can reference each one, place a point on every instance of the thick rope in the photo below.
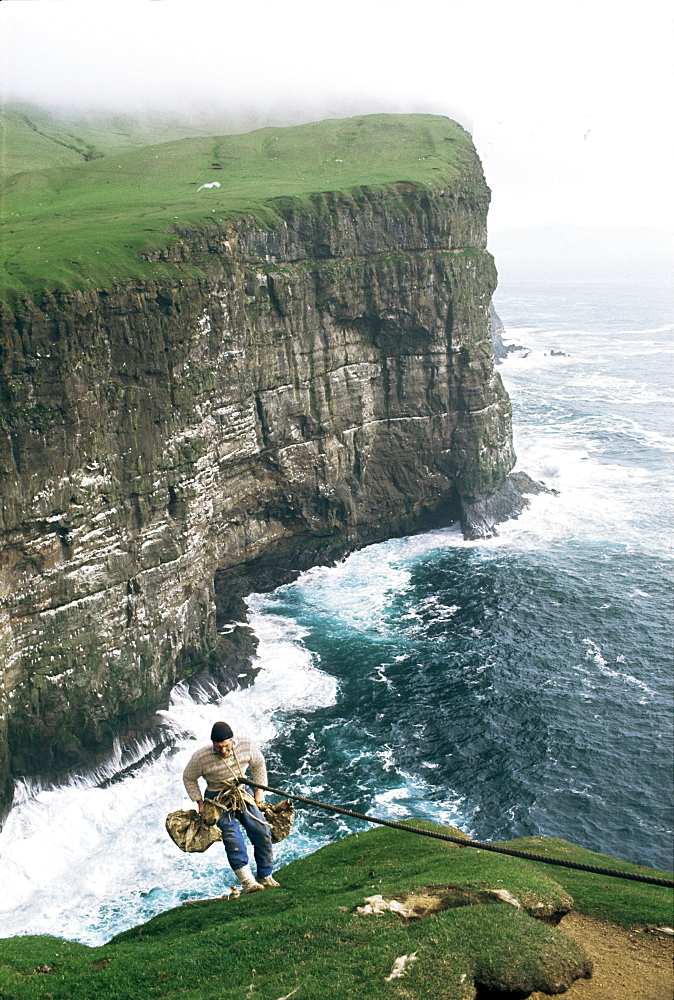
(465, 842)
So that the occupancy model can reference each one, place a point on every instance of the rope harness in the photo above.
(464, 841)
(232, 797)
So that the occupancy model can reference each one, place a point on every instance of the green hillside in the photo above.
(307, 939)
(32, 137)
(83, 223)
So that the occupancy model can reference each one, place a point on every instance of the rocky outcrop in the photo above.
(483, 509)
(167, 447)
(497, 330)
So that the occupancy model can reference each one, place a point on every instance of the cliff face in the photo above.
(166, 447)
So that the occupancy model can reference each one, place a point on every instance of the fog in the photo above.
(567, 101)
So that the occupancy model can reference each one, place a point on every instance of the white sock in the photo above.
(245, 875)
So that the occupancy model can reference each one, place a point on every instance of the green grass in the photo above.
(82, 225)
(306, 936)
(33, 137)
(626, 903)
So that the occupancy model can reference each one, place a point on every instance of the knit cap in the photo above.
(221, 731)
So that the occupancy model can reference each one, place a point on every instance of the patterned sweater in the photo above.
(218, 771)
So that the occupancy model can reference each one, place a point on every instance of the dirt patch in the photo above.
(628, 965)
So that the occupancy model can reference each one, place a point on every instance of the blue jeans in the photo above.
(259, 834)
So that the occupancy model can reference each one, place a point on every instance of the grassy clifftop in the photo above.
(78, 213)
(308, 940)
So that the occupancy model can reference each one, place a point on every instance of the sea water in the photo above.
(511, 686)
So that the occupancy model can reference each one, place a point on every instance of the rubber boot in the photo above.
(248, 883)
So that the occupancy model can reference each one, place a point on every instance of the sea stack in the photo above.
(257, 390)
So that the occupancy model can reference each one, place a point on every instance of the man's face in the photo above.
(224, 747)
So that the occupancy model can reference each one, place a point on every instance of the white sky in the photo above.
(569, 101)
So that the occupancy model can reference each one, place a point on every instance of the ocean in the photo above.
(511, 686)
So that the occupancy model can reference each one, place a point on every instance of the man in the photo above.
(221, 763)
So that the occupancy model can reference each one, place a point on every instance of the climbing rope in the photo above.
(465, 842)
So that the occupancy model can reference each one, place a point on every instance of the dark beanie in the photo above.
(221, 731)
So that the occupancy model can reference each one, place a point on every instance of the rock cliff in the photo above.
(167, 446)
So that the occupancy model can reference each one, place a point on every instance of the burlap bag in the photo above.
(190, 831)
(280, 818)
(195, 833)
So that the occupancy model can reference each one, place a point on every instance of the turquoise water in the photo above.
(518, 685)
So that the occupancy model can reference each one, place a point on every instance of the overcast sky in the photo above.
(569, 101)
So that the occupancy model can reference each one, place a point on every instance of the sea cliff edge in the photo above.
(168, 446)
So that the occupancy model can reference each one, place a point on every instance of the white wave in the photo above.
(357, 593)
(587, 377)
(287, 681)
(544, 327)
(365, 581)
(522, 362)
(597, 500)
(84, 862)
(667, 328)
(651, 439)
(622, 498)
(380, 677)
(414, 798)
(513, 333)
(594, 653)
(600, 388)
(72, 849)
(434, 608)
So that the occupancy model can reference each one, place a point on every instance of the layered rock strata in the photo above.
(167, 447)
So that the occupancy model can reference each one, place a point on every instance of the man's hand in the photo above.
(200, 806)
(259, 797)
